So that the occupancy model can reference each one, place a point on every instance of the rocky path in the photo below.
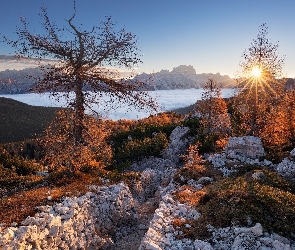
(133, 237)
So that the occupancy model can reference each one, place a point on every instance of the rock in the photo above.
(178, 145)
(292, 153)
(257, 175)
(246, 146)
(76, 223)
(257, 230)
(287, 169)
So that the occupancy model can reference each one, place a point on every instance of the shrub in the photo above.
(137, 149)
(207, 141)
(20, 166)
(194, 123)
(59, 149)
(10, 181)
(245, 201)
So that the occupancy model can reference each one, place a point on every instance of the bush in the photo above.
(137, 149)
(207, 141)
(245, 201)
(193, 123)
(20, 166)
(10, 181)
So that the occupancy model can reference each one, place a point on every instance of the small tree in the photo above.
(82, 62)
(258, 84)
(212, 110)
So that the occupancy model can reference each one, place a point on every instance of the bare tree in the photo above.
(84, 61)
(259, 85)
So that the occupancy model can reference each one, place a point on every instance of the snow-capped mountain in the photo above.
(182, 77)
(18, 81)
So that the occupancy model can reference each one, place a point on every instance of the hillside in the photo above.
(229, 200)
(21, 121)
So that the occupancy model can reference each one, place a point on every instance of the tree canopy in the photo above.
(259, 84)
(83, 60)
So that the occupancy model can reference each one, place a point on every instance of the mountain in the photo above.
(17, 81)
(182, 77)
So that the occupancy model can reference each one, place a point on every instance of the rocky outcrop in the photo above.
(239, 150)
(242, 238)
(87, 222)
(287, 167)
(161, 233)
(179, 141)
(244, 147)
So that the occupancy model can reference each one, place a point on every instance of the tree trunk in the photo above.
(79, 112)
(253, 128)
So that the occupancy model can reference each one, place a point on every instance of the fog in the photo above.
(167, 100)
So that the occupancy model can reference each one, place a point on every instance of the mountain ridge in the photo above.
(180, 77)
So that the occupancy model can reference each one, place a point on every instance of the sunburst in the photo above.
(256, 72)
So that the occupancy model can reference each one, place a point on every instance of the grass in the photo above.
(21, 121)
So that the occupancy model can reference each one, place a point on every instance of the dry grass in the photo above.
(17, 207)
(196, 171)
(190, 196)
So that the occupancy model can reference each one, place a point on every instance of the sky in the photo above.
(210, 35)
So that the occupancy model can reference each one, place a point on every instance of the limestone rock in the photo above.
(246, 146)
(178, 145)
(287, 167)
(86, 222)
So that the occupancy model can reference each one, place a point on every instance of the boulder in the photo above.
(286, 168)
(244, 147)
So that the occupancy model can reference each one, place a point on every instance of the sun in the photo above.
(256, 72)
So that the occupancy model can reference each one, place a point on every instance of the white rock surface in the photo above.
(161, 233)
(179, 141)
(239, 150)
(246, 146)
(87, 222)
(287, 167)
(242, 238)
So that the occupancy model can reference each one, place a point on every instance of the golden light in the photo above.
(256, 72)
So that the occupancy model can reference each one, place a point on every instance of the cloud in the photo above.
(14, 63)
(11, 62)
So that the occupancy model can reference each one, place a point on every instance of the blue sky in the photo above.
(210, 35)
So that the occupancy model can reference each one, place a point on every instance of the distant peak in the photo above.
(184, 69)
